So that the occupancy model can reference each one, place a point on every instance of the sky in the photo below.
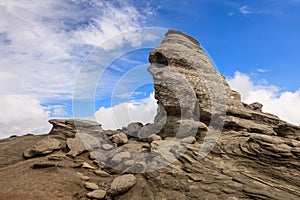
(56, 56)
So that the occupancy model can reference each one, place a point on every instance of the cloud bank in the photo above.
(42, 45)
(282, 104)
(120, 115)
(22, 114)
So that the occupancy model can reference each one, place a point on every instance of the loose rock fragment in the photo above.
(91, 186)
(101, 173)
(96, 194)
(122, 184)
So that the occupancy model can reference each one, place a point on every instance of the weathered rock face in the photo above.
(187, 86)
(255, 156)
(184, 77)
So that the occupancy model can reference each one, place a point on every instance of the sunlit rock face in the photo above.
(187, 86)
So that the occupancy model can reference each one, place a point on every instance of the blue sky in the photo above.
(45, 44)
(243, 35)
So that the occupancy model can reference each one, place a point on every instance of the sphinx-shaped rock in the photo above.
(188, 87)
(186, 83)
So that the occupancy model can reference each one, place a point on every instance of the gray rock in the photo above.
(91, 186)
(119, 138)
(129, 162)
(69, 127)
(236, 123)
(133, 128)
(165, 144)
(97, 194)
(107, 147)
(56, 158)
(101, 173)
(256, 106)
(75, 145)
(76, 165)
(87, 166)
(119, 157)
(189, 128)
(85, 178)
(43, 147)
(92, 155)
(43, 165)
(296, 151)
(188, 140)
(135, 167)
(154, 137)
(99, 155)
(110, 132)
(122, 184)
(165, 149)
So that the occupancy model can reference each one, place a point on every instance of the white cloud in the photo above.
(112, 21)
(120, 115)
(245, 10)
(150, 10)
(262, 70)
(231, 14)
(49, 40)
(56, 111)
(42, 45)
(283, 104)
(22, 114)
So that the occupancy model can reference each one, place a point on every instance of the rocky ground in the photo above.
(216, 148)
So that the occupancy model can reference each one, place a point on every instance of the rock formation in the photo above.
(204, 144)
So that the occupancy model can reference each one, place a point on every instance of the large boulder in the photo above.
(122, 184)
(133, 128)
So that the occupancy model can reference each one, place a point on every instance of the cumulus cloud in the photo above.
(44, 42)
(22, 114)
(282, 104)
(42, 45)
(120, 115)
